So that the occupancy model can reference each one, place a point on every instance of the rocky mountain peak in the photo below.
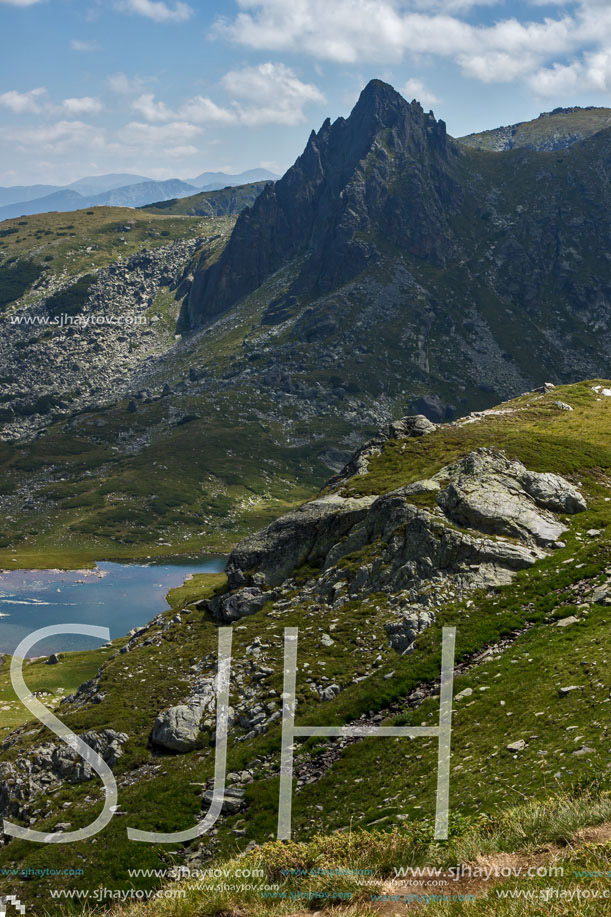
(356, 174)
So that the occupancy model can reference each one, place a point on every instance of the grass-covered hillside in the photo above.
(270, 350)
(66, 244)
(193, 466)
(519, 736)
(225, 202)
(553, 130)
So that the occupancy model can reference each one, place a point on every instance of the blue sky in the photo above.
(169, 88)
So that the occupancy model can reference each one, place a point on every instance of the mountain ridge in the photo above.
(550, 131)
(115, 190)
(403, 273)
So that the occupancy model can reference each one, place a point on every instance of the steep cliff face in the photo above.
(388, 168)
(387, 189)
(462, 270)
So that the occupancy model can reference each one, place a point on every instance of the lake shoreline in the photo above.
(120, 596)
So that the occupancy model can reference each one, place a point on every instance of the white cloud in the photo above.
(83, 106)
(497, 66)
(593, 74)
(273, 92)
(137, 133)
(266, 94)
(177, 152)
(199, 109)
(385, 31)
(146, 106)
(125, 85)
(20, 2)
(157, 10)
(55, 138)
(204, 111)
(415, 89)
(348, 31)
(86, 46)
(23, 102)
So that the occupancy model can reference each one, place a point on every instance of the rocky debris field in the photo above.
(50, 370)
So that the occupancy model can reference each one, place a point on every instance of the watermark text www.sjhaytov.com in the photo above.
(64, 320)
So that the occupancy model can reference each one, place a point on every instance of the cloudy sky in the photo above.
(169, 88)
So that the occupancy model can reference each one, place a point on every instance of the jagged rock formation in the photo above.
(391, 227)
(486, 518)
(343, 185)
(392, 270)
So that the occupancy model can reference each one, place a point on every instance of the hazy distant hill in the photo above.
(127, 196)
(224, 202)
(213, 181)
(117, 190)
(92, 184)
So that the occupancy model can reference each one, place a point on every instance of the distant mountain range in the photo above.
(115, 190)
(214, 181)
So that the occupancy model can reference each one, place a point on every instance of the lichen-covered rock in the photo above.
(490, 517)
(178, 728)
(488, 492)
(303, 536)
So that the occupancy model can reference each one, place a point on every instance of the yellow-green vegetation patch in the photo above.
(530, 428)
(51, 683)
(85, 240)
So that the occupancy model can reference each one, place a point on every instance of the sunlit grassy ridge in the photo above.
(350, 870)
(583, 122)
(71, 243)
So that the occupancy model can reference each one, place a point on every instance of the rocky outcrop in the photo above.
(179, 728)
(46, 767)
(495, 495)
(304, 536)
(474, 523)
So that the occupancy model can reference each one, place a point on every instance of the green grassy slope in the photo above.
(72, 243)
(208, 465)
(225, 202)
(254, 433)
(385, 783)
(551, 130)
(351, 873)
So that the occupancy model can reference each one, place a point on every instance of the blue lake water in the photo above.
(117, 596)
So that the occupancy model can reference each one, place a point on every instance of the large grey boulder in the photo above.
(178, 728)
(240, 604)
(488, 492)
